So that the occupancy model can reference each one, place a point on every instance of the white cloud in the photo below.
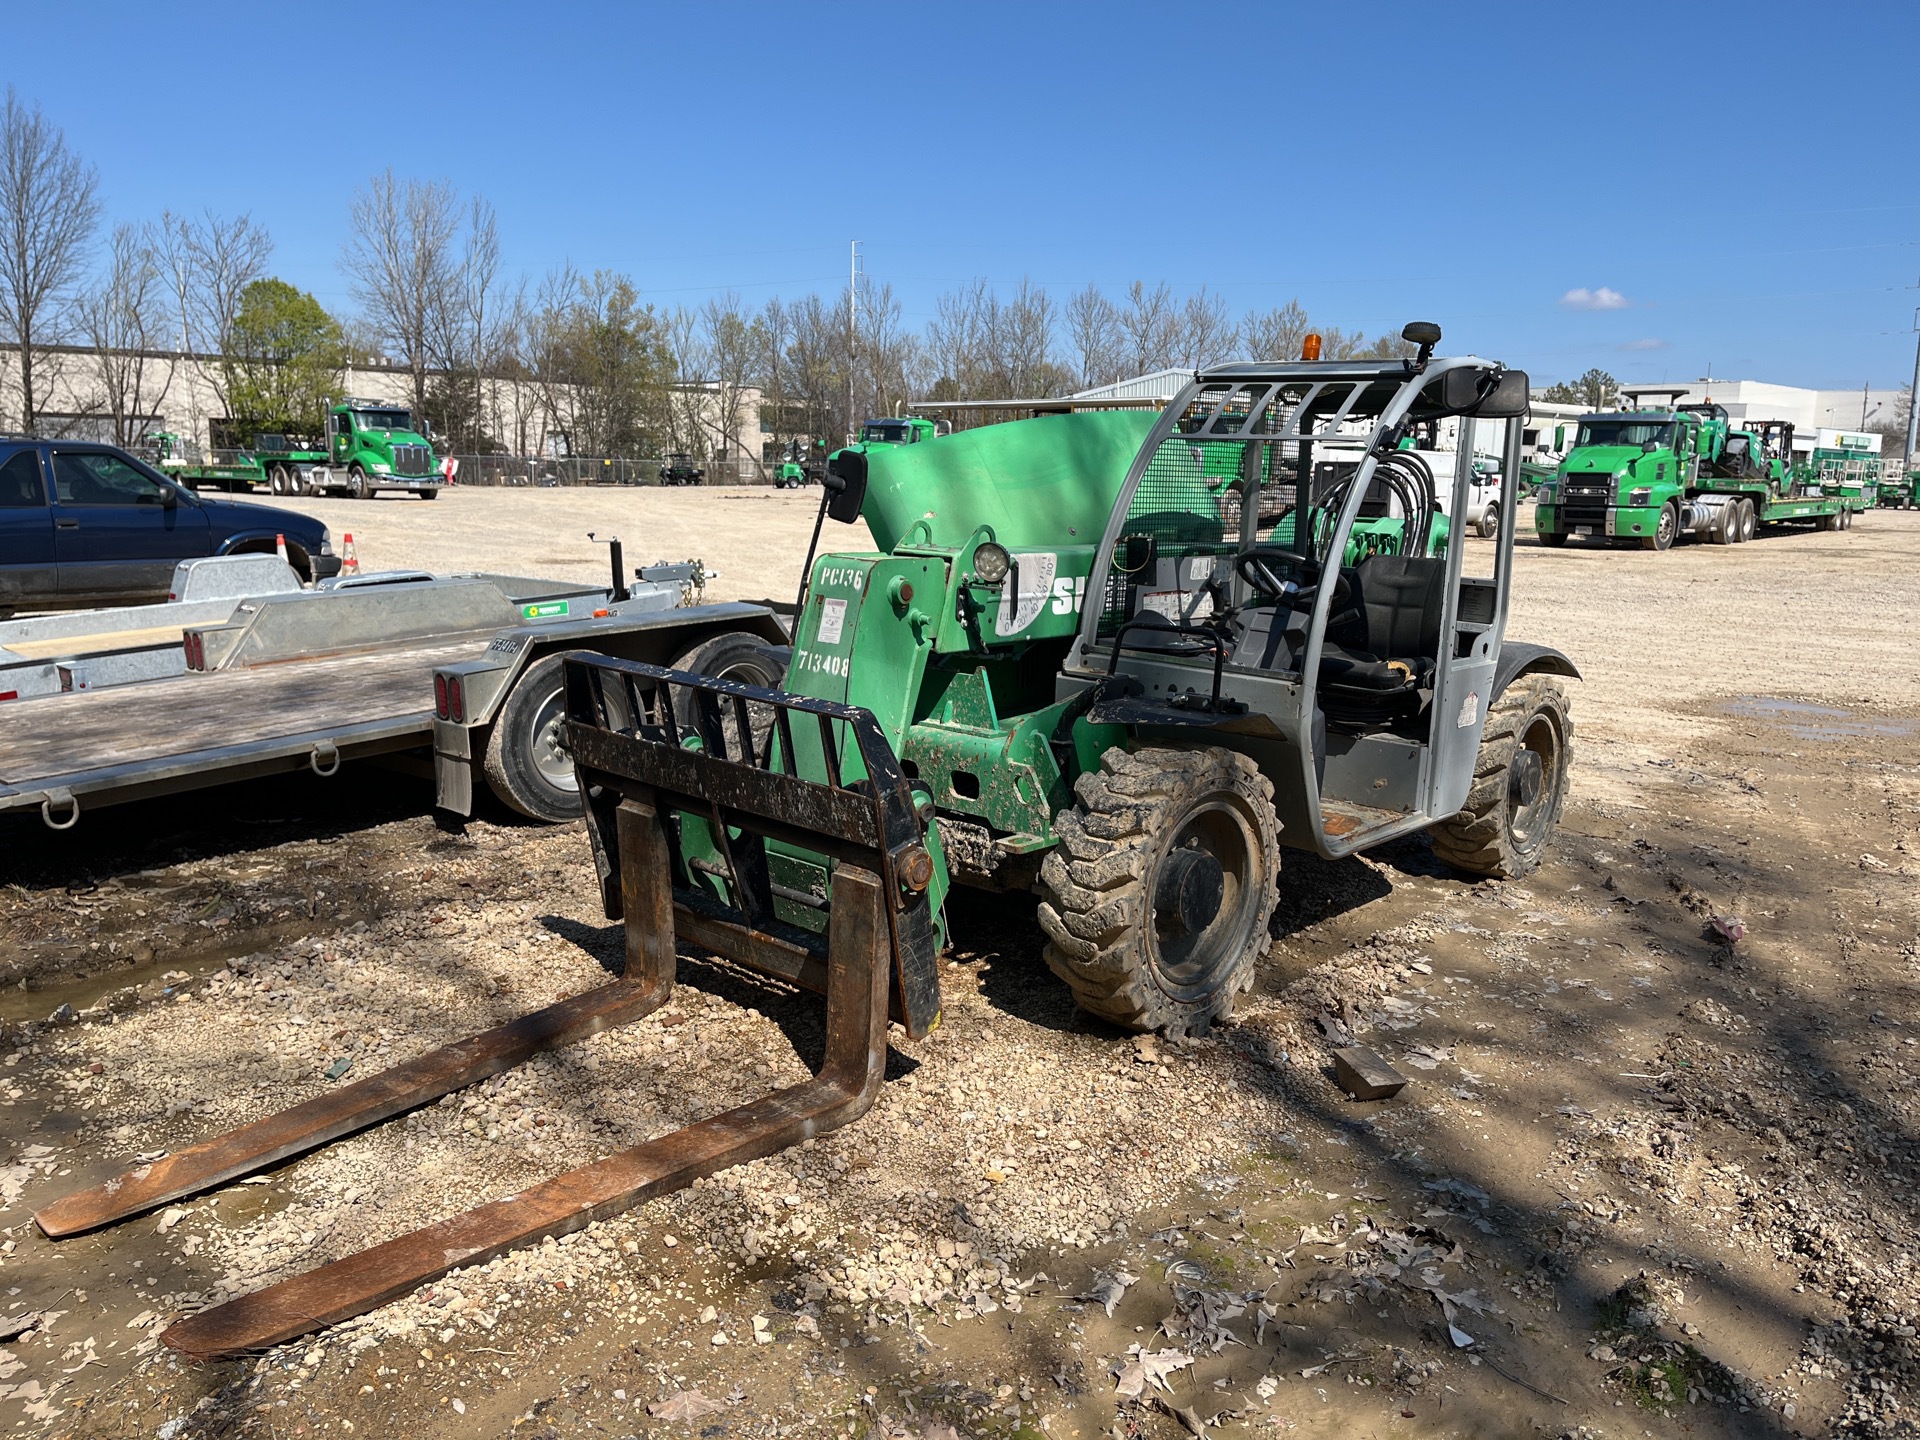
(1604, 298)
(1648, 344)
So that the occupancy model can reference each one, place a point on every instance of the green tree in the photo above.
(287, 357)
(1596, 389)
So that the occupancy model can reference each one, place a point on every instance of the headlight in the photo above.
(991, 563)
(380, 467)
(1640, 498)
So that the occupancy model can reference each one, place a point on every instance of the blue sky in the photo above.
(1732, 186)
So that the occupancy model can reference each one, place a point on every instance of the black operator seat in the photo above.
(1381, 647)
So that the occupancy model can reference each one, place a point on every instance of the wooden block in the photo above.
(1364, 1075)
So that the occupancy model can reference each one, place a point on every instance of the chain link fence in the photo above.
(550, 471)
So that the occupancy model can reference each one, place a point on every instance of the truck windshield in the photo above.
(382, 420)
(887, 432)
(1625, 432)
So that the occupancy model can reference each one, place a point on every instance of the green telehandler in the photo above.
(1118, 658)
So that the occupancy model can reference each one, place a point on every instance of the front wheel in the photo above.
(1552, 539)
(1490, 522)
(428, 494)
(357, 482)
(1664, 531)
(1519, 784)
(1157, 899)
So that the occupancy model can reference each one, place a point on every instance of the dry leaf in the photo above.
(685, 1405)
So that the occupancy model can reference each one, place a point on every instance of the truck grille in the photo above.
(412, 460)
(1584, 501)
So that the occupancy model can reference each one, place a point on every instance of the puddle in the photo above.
(1805, 720)
(143, 980)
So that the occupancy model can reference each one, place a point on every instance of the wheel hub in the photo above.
(1526, 777)
(1189, 892)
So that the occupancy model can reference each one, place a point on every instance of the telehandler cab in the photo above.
(1118, 658)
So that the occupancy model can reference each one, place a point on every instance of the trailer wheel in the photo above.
(1664, 531)
(1519, 784)
(737, 655)
(357, 481)
(1156, 900)
(527, 763)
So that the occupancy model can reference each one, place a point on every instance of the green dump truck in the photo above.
(369, 446)
(1658, 473)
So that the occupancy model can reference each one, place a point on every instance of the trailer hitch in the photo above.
(646, 775)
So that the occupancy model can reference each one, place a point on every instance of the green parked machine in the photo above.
(1077, 662)
(1657, 473)
(369, 446)
(1105, 675)
(185, 461)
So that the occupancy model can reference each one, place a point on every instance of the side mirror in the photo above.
(1475, 392)
(1137, 553)
(846, 483)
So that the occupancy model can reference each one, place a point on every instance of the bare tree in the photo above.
(125, 321)
(889, 357)
(1275, 334)
(1093, 329)
(1150, 327)
(479, 274)
(49, 211)
(402, 265)
(732, 349)
(688, 349)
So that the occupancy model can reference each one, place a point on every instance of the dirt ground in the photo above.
(1654, 1173)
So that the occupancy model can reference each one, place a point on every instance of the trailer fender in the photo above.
(1518, 658)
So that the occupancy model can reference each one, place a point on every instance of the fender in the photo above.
(1518, 658)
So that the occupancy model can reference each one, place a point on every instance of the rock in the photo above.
(65, 1015)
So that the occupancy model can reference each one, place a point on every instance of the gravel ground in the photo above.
(1653, 1172)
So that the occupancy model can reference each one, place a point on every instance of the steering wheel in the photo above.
(1276, 573)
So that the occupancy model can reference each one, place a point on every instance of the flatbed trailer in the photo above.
(316, 679)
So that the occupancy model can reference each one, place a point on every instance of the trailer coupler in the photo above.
(644, 776)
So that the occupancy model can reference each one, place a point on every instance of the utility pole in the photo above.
(1913, 404)
(853, 331)
(1865, 391)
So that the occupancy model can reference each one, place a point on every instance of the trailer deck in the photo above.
(66, 753)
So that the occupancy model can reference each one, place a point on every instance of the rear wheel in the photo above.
(527, 763)
(1156, 900)
(1725, 527)
(1664, 530)
(1749, 521)
(1519, 784)
(1490, 522)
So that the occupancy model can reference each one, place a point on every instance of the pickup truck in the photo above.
(84, 524)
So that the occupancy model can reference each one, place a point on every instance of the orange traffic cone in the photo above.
(349, 562)
(280, 546)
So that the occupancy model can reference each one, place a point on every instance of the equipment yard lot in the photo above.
(1645, 1167)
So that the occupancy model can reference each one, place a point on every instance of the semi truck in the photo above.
(1656, 473)
(369, 446)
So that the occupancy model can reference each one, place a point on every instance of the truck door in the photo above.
(118, 529)
(27, 569)
(342, 433)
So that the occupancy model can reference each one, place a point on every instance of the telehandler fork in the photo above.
(663, 755)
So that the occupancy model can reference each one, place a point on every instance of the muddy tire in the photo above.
(526, 762)
(737, 655)
(1519, 784)
(1157, 899)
